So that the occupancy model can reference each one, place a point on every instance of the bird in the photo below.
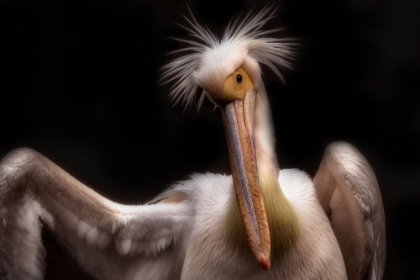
(260, 222)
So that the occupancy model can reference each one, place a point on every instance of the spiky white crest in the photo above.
(210, 61)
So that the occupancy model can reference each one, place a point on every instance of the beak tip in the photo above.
(264, 263)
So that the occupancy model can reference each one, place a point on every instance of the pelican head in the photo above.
(228, 72)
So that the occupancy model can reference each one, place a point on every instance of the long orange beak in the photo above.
(238, 117)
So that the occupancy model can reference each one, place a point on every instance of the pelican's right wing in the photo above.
(109, 240)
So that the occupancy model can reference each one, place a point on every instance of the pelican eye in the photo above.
(239, 78)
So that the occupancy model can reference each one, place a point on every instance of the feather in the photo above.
(209, 60)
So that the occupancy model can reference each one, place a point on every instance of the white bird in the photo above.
(259, 223)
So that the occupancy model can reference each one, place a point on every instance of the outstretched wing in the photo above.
(109, 240)
(349, 193)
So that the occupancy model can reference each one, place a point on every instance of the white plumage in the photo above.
(209, 61)
(330, 228)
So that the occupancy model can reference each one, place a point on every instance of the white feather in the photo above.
(210, 60)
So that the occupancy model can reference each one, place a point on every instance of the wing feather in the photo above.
(108, 239)
(349, 193)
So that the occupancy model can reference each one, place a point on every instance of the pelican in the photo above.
(262, 222)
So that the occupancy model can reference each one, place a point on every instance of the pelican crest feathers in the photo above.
(210, 60)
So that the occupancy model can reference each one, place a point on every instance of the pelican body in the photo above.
(261, 222)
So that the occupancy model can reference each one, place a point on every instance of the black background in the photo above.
(79, 83)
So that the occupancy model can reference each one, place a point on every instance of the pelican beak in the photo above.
(238, 118)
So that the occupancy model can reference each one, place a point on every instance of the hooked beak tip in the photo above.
(264, 263)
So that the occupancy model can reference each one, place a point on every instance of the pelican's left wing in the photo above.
(349, 193)
(109, 240)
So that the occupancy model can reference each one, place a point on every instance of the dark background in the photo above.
(79, 83)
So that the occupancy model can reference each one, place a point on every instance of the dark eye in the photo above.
(239, 78)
